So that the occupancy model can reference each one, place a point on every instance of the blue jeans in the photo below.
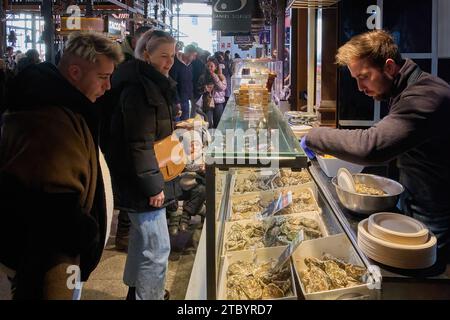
(214, 115)
(148, 254)
(186, 112)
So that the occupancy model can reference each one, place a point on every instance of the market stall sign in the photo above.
(244, 40)
(232, 15)
(115, 26)
(70, 24)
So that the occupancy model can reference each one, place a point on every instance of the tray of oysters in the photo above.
(250, 275)
(257, 180)
(248, 206)
(330, 269)
(271, 232)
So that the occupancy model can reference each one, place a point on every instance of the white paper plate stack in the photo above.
(398, 241)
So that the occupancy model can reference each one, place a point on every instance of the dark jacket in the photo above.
(51, 190)
(141, 115)
(198, 68)
(182, 74)
(416, 132)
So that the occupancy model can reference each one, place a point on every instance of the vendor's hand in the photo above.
(309, 153)
(157, 201)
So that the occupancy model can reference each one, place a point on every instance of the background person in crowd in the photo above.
(192, 180)
(213, 74)
(142, 114)
(31, 57)
(198, 68)
(181, 72)
(228, 72)
(414, 132)
(10, 59)
(129, 44)
(123, 222)
(52, 199)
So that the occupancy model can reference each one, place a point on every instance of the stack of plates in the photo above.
(398, 241)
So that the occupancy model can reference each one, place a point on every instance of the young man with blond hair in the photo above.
(415, 132)
(52, 201)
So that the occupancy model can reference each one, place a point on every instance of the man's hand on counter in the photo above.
(309, 153)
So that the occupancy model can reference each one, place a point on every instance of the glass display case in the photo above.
(260, 71)
(258, 160)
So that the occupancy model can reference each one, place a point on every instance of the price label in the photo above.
(287, 253)
(284, 200)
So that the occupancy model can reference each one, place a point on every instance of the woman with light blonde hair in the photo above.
(142, 115)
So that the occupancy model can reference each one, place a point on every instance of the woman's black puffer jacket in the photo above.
(142, 114)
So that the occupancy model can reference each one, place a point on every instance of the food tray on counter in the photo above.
(256, 257)
(338, 246)
(254, 181)
(261, 200)
(256, 238)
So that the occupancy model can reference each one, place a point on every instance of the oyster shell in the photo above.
(257, 281)
(329, 273)
(272, 291)
(282, 230)
(291, 178)
(252, 289)
(338, 276)
(316, 280)
(242, 237)
(252, 183)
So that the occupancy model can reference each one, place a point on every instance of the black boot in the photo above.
(131, 296)
(123, 231)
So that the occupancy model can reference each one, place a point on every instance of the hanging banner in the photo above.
(116, 27)
(248, 40)
(232, 15)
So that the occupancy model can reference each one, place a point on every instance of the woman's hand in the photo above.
(157, 201)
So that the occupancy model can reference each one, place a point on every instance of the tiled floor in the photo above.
(105, 283)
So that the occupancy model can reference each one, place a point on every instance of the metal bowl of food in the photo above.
(373, 194)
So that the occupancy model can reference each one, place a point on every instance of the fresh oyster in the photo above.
(252, 183)
(252, 281)
(282, 230)
(338, 276)
(289, 178)
(234, 293)
(242, 237)
(316, 280)
(329, 273)
(303, 201)
(272, 291)
(355, 272)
